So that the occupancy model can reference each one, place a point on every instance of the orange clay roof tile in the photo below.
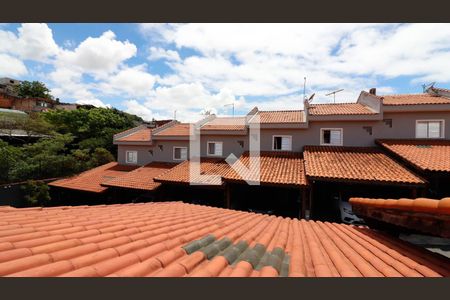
(141, 178)
(426, 155)
(157, 248)
(356, 164)
(281, 116)
(225, 123)
(280, 168)
(340, 109)
(413, 99)
(91, 180)
(181, 129)
(208, 166)
(142, 135)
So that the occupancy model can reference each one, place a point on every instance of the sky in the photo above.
(153, 70)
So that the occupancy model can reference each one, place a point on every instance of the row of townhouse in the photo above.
(360, 124)
(380, 146)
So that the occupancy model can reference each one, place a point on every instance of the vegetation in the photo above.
(36, 193)
(56, 143)
(34, 89)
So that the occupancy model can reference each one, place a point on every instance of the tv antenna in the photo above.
(425, 87)
(175, 114)
(304, 88)
(334, 94)
(231, 104)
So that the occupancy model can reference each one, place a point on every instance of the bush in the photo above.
(36, 193)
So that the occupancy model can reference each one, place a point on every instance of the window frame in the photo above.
(213, 142)
(282, 136)
(322, 143)
(126, 157)
(442, 129)
(179, 147)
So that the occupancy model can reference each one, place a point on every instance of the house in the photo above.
(174, 239)
(28, 105)
(8, 86)
(309, 158)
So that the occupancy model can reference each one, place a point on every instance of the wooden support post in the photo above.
(227, 196)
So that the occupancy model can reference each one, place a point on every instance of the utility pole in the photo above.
(232, 104)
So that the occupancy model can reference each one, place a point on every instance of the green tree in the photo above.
(33, 89)
(9, 156)
(100, 156)
(36, 193)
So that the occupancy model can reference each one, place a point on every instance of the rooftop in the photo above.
(276, 168)
(91, 180)
(141, 178)
(426, 155)
(181, 129)
(425, 215)
(414, 99)
(340, 109)
(281, 116)
(225, 123)
(358, 164)
(208, 166)
(142, 135)
(177, 239)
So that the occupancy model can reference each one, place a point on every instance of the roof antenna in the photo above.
(232, 104)
(425, 87)
(334, 94)
(175, 114)
(304, 88)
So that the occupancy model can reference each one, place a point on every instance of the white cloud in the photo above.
(161, 53)
(98, 56)
(11, 67)
(94, 102)
(33, 41)
(135, 108)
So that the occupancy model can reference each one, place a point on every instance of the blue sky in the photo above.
(154, 69)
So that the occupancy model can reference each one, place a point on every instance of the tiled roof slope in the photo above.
(181, 129)
(282, 116)
(413, 99)
(424, 215)
(225, 123)
(340, 109)
(141, 178)
(427, 155)
(275, 168)
(143, 135)
(423, 205)
(355, 164)
(90, 180)
(208, 166)
(177, 239)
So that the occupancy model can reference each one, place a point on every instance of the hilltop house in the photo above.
(309, 157)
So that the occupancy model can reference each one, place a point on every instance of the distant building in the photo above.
(7, 86)
(25, 104)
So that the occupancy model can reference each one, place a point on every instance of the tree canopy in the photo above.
(33, 89)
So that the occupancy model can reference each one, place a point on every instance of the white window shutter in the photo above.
(183, 153)
(434, 129)
(218, 149)
(421, 130)
(286, 143)
(335, 137)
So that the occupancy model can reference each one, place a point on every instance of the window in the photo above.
(331, 136)
(282, 142)
(214, 148)
(179, 153)
(131, 157)
(429, 129)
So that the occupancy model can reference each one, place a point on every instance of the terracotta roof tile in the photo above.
(225, 123)
(141, 178)
(208, 166)
(356, 164)
(421, 214)
(340, 109)
(91, 180)
(181, 129)
(142, 135)
(427, 155)
(281, 116)
(223, 243)
(275, 168)
(413, 99)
